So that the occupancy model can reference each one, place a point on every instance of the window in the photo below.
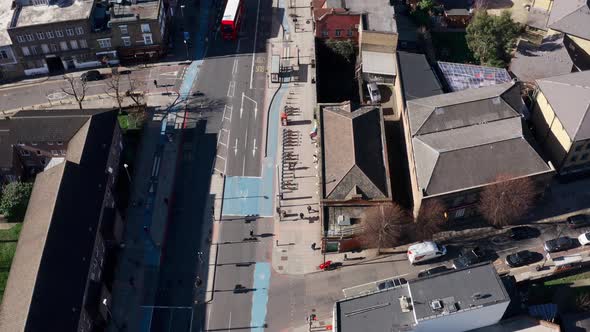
(124, 30)
(83, 43)
(40, 35)
(26, 51)
(59, 33)
(60, 143)
(574, 158)
(338, 32)
(38, 152)
(55, 152)
(126, 41)
(584, 156)
(588, 146)
(104, 43)
(459, 213)
(74, 44)
(145, 28)
(3, 54)
(69, 31)
(579, 148)
(34, 50)
(54, 48)
(24, 153)
(147, 39)
(49, 143)
(50, 34)
(29, 37)
(45, 48)
(325, 33)
(350, 33)
(79, 30)
(63, 45)
(20, 39)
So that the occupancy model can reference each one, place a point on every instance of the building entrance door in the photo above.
(54, 65)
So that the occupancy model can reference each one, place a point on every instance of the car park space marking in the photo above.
(503, 250)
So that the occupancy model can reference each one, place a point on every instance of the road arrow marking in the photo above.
(254, 148)
(236, 147)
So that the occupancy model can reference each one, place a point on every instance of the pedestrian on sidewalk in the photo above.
(313, 246)
(301, 215)
(308, 209)
(251, 232)
(156, 83)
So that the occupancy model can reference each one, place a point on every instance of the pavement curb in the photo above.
(214, 249)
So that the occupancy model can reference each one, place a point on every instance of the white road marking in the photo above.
(170, 73)
(208, 317)
(235, 69)
(238, 47)
(254, 148)
(254, 48)
(252, 100)
(236, 147)
(220, 157)
(231, 89)
(229, 324)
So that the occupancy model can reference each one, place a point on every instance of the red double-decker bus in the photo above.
(232, 18)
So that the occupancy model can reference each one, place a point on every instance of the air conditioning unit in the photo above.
(405, 304)
(436, 305)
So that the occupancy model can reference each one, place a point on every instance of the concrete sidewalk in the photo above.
(297, 224)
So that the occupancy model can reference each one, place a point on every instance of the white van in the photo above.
(423, 251)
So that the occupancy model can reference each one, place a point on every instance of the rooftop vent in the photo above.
(436, 305)
(405, 304)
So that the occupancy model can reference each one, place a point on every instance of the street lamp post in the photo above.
(110, 314)
(182, 10)
(186, 48)
(200, 257)
(127, 171)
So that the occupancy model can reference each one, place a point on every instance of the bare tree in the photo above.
(430, 220)
(136, 93)
(76, 88)
(507, 200)
(114, 88)
(382, 226)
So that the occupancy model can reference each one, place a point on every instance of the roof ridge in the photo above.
(368, 178)
(582, 121)
(569, 14)
(342, 178)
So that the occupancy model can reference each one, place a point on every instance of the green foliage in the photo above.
(421, 17)
(426, 5)
(343, 48)
(14, 200)
(8, 241)
(492, 38)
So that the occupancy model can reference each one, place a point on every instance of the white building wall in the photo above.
(465, 320)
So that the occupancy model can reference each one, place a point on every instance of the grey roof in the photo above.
(56, 243)
(378, 14)
(334, 3)
(465, 289)
(39, 126)
(381, 63)
(571, 17)
(551, 58)
(6, 12)
(56, 11)
(461, 76)
(354, 153)
(569, 97)
(134, 12)
(537, 18)
(376, 312)
(418, 78)
(466, 139)
(457, 287)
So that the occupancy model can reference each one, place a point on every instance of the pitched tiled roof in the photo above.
(354, 153)
(466, 139)
(569, 97)
(571, 17)
(49, 272)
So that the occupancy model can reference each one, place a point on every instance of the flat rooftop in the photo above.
(379, 14)
(143, 10)
(458, 290)
(56, 11)
(376, 312)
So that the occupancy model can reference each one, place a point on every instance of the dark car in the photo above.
(91, 75)
(523, 233)
(523, 258)
(559, 244)
(469, 257)
(391, 283)
(432, 271)
(577, 221)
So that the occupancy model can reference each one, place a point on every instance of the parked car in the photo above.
(468, 257)
(374, 92)
(584, 239)
(91, 75)
(423, 251)
(391, 283)
(523, 232)
(523, 258)
(433, 271)
(577, 221)
(559, 244)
